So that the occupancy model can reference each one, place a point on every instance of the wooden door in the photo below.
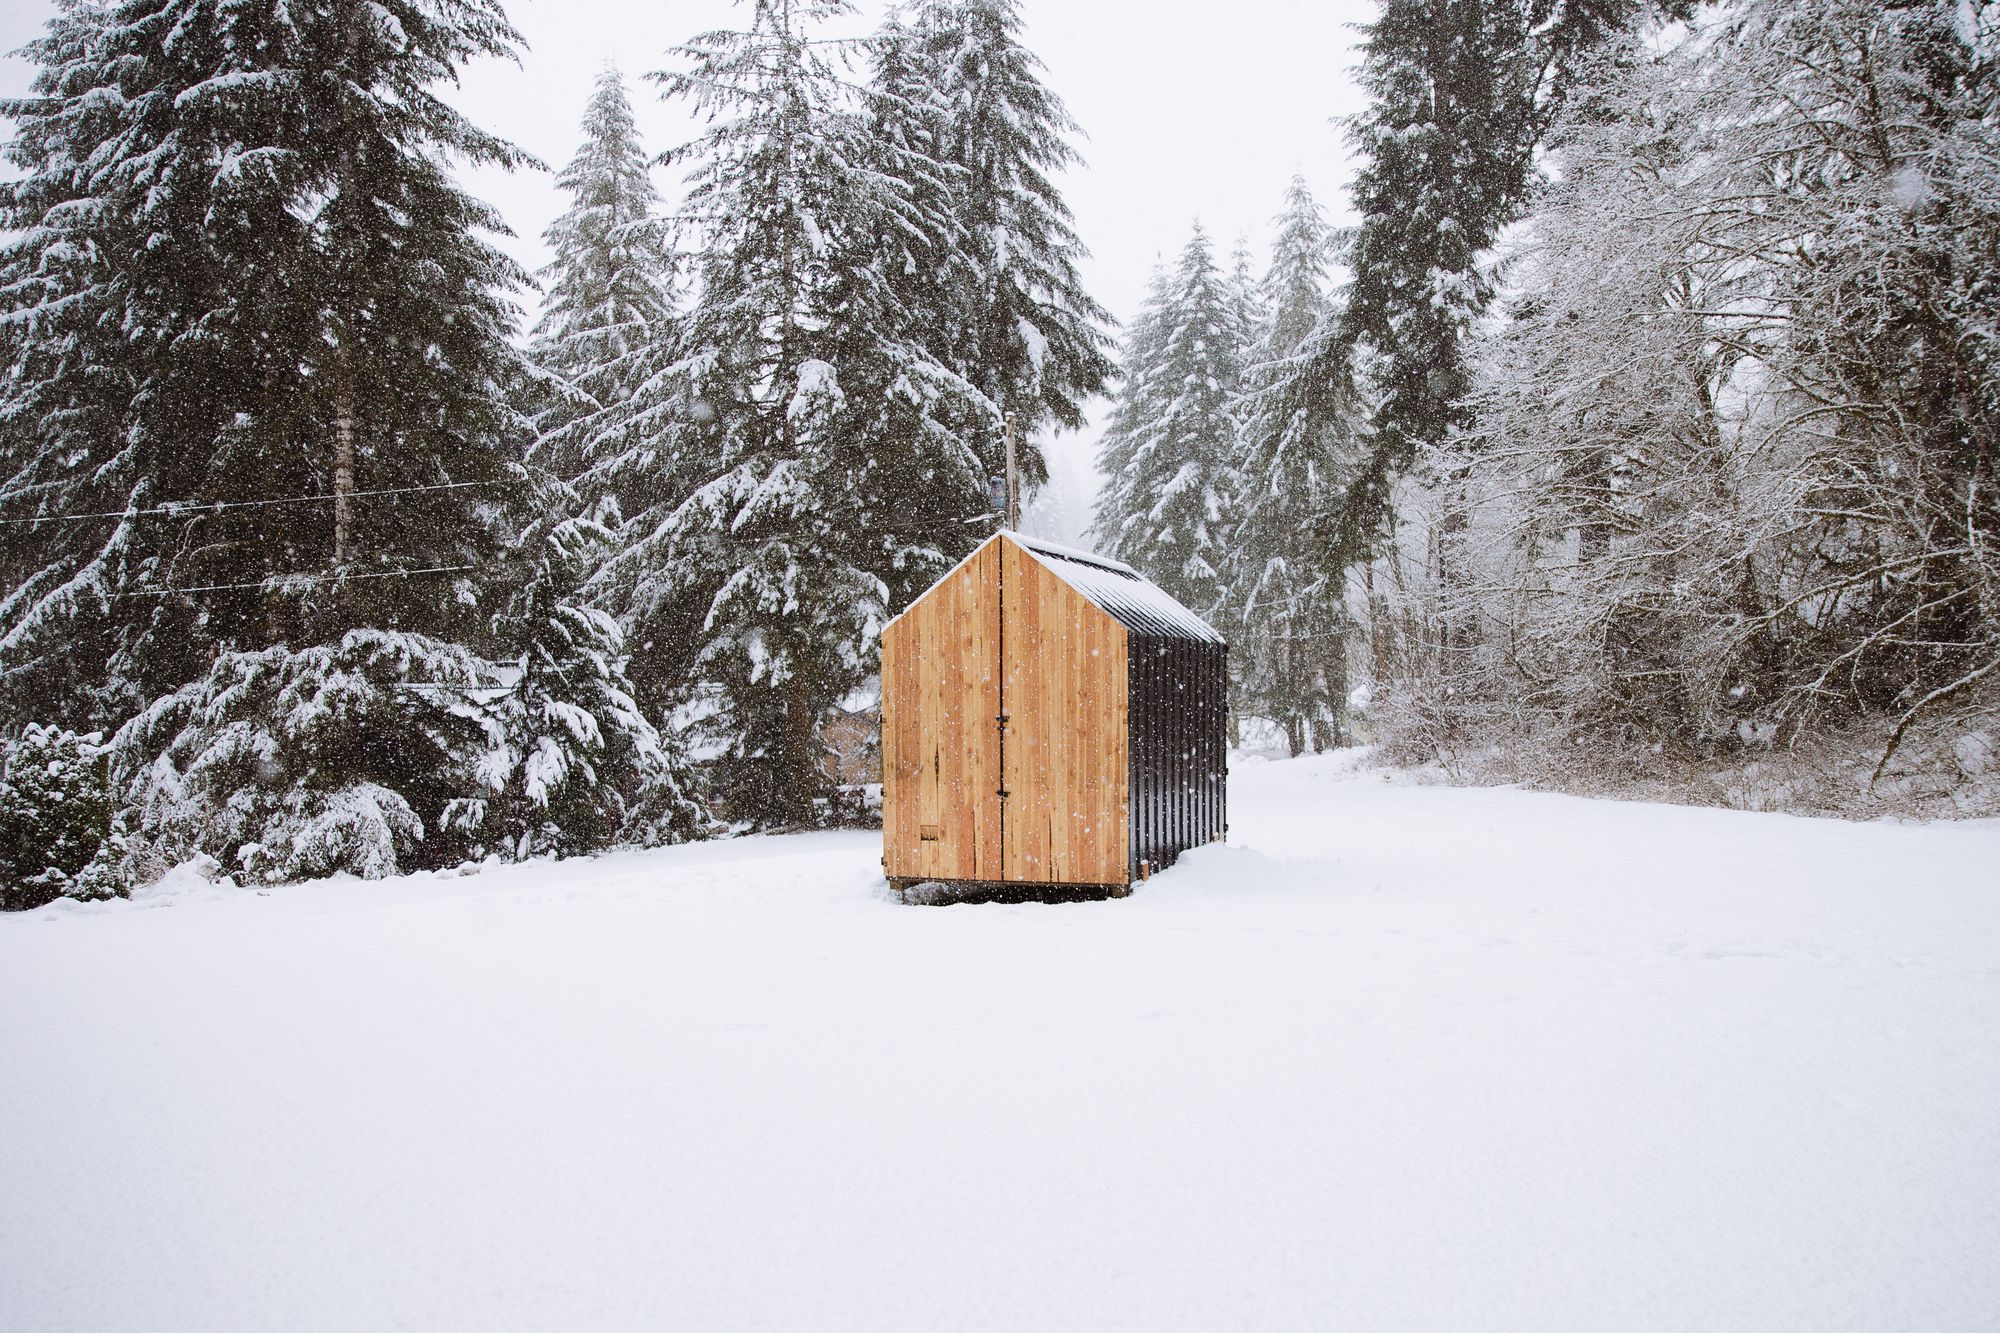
(1063, 674)
(940, 731)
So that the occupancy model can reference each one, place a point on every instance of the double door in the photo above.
(1004, 730)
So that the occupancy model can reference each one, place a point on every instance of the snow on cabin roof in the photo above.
(1116, 588)
(1120, 590)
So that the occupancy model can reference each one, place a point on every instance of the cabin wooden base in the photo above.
(941, 892)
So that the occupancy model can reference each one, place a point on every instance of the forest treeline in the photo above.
(1643, 421)
(312, 565)
(1645, 441)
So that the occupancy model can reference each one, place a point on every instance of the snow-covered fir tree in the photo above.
(825, 445)
(613, 412)
(1137, 403)
(920, 268)
(249, 311)
(1246, 294)
(1461, 94)
(573, 765)
(240, 271)
(1170, 461)
(1286, 608)
(1295, 287)
(1016, 320)
(607, 328)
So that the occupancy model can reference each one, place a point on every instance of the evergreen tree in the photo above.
(823, 443)
(574, 765)
(1246, 297)
(1138, 402)
(608, 317)
(1016, 320)
(921, 268)
(1294, 290)
(1288, 620)
(1462, 93)
(249, 311)
(1173, 467)
(241, 272)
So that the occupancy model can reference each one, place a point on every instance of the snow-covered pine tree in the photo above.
(1246, 306)
(922, 433)
(824, 443)
(939, 431)
(1138, 401)
(1288, 620)
(921, 268)
(242, 275)
(89, 334)
(607, 328)
(1246, 296)
(1018, 322)
(1174, 464)
(574, 765)
(1461, 94)
(577, 763)
(242, 272)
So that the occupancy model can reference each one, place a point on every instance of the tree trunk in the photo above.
(343, 464)
(806, 776)
(1449, 539)
(1378, 640)
(1336, 690)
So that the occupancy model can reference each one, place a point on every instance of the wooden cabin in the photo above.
(1050, 721)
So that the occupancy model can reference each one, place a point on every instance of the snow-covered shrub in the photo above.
(55, 817)
(293, 763)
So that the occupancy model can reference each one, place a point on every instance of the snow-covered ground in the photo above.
(1398, 1057)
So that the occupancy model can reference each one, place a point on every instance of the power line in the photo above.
(305, 578)
(195, 511)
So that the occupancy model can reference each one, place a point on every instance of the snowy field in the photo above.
(1399, 1057)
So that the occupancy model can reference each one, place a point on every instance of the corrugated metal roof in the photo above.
(1122, 591)
(1130, 599)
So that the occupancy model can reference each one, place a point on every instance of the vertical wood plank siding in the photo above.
(1003, 634)
(1065, 695)
(940, 744)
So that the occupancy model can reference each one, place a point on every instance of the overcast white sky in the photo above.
(1192, 108)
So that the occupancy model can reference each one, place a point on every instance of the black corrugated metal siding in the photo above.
(1178, 713)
